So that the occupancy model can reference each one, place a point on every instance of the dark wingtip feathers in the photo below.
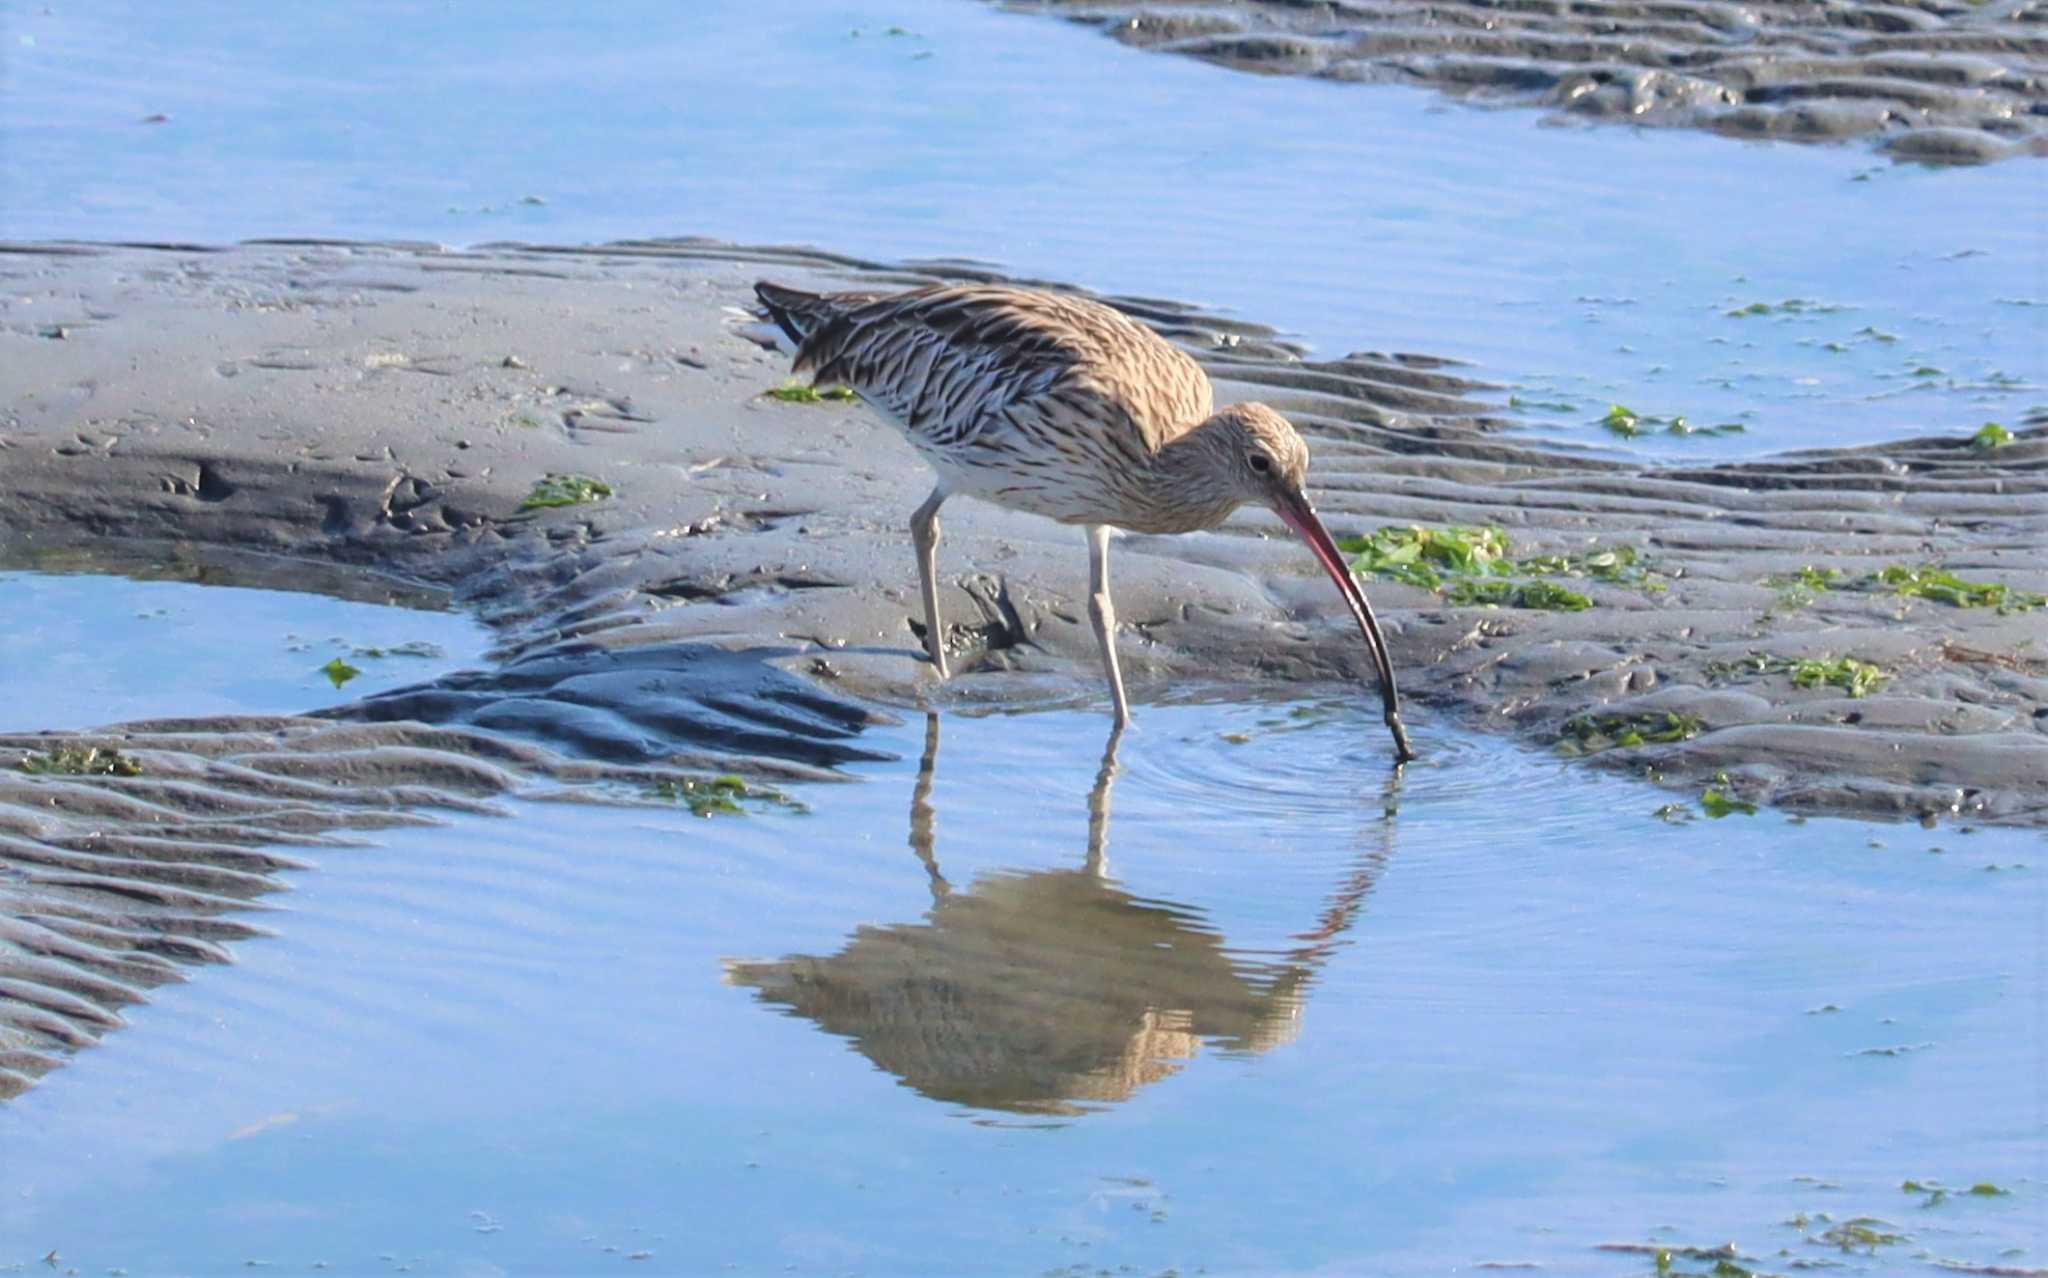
(785, 306)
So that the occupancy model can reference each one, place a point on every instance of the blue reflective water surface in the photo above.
(1249, 1007)
(80, 650)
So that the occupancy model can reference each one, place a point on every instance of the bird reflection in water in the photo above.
(1050, 991)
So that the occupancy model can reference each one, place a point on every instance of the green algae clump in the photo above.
(565, 490)
(81, 761)
(1942, 586)
(1628, 424)
(1857, 678)
(1592, 733)
(719, 795)
(1467, 565)
(796, 392)
(1495, 593)
(1717, 803)
(1421, 556)
(1989, 436)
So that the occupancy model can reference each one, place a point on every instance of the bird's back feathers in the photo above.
(945, 359)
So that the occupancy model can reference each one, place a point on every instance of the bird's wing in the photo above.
(948, 360)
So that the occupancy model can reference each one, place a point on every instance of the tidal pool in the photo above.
(79, 650)
(1242, 1003)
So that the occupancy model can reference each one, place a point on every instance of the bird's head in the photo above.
(1260, 453)
(1261, 458)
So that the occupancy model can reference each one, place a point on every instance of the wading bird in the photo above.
(1065, 408)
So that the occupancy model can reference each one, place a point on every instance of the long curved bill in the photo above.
(1294, 509)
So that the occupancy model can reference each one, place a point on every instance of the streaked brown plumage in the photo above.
(1065, 408)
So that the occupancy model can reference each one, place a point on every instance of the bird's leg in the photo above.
(1098, 807)
(924, 534)
(1103, 613)
(922, 818)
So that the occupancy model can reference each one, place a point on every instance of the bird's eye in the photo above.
(1260, 463)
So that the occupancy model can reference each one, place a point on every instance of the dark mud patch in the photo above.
(1930, 81)
(746, 591)
(646, 703)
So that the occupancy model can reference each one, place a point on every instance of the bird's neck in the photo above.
(1186, 487)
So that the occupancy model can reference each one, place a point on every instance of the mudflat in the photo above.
(1928, 80)
(689, 575)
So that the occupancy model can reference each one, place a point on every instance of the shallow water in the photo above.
(1242, 1004)
(81, 650)
(1582, 266)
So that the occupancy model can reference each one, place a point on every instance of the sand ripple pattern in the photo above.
(1931, 80)
(110, 885)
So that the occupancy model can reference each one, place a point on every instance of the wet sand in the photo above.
(744, 598)
(1928, 81)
